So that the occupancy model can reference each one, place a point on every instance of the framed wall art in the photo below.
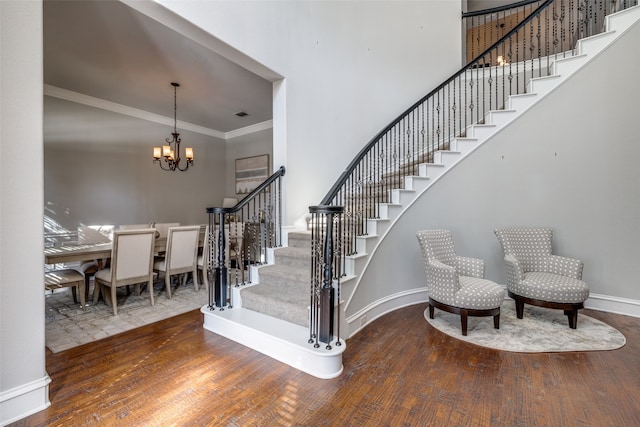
(251, 172)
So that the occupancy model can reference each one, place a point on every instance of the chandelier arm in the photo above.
(159, 161)
(173, 163)
(181, 169)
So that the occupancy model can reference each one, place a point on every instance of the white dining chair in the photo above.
(203, 259)
(163, 228)
(181, 255)
(92, 235)
(131, 264)
(133, 226)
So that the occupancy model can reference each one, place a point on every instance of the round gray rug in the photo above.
(540, 330)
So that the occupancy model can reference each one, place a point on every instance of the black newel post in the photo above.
(216, 268)
(326, 292)
(325, 255)
(221, 269)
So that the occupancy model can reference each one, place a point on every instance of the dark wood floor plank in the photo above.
(399, 371)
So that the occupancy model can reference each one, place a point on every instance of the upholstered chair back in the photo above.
(529, 245)
(163, 228)
(182, 246)
(437, 248)
(438, 245)
(132, 254)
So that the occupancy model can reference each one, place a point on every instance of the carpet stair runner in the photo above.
(283, 288)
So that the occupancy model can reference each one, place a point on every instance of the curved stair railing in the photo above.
(507, 47)
(239, 237)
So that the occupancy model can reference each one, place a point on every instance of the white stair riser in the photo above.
(415, 182)
(464, 145)
(521, 102)
(430, 170)
(542, 85)
(481, 132)
(595, 44)
(446, 158)
(399, 196)
(567, 66)
(501, 117)
(622, 20)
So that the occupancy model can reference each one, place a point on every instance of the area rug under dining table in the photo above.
(540, 330)
(68, 326)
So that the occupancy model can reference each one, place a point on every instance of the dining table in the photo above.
(78, 252)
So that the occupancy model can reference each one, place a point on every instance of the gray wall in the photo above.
(569, 163)
(99, 170)
(254, 144)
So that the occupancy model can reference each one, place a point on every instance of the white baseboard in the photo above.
(368, 314)
(617, 305)
(24, 400)
(378, 308)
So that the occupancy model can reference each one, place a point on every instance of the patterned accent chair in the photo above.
(457, 283)
(536, 277)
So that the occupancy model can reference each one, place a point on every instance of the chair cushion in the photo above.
(104, 274)
(62, 278)
(551, 287)
(478, 294)
(87, 267)
(160, 265)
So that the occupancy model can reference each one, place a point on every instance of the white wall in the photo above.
(350, 68)
(569, 163)
(100, 170)
(23, 379)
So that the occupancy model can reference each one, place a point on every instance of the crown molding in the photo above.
(91, 101)
(249, 129)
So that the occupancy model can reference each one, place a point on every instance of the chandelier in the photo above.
(168, 156)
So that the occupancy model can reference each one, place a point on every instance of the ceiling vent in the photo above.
(241, 114)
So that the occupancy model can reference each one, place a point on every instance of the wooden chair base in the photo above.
(465, 313)
(570, 309)
(66, 278)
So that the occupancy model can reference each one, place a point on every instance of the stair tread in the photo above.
(280, 303)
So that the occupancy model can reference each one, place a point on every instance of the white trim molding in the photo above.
(376, 309)
(24, 400)
(91, 101)
(617, 305)
(248, 130)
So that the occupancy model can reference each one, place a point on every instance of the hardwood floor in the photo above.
(398, 371)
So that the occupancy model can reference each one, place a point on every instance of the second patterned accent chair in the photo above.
(536, 277)
(457, 284)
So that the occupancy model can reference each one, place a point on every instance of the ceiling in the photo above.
(108, 50)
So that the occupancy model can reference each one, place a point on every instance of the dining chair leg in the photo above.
(167, 282)
(81, 291)
(205, 279)
(114, 300)
(150, 285)
(87, 279)
(96, 292)
(194, 273)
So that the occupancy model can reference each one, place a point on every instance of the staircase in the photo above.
(278, 301)
(283, 291)
(271, 315)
